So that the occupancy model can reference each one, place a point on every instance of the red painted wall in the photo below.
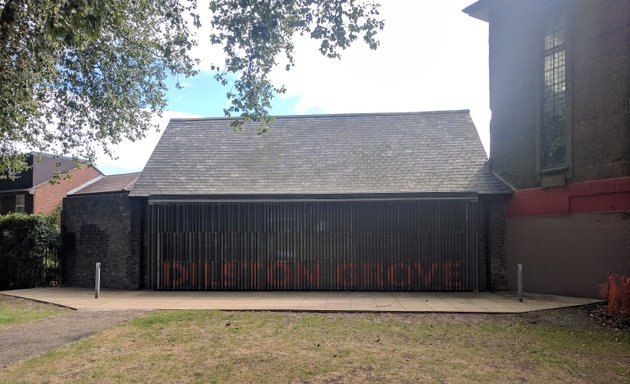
(569, 238)
(610, 195)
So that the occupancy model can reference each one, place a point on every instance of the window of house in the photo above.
(553, 114)
(20, 204)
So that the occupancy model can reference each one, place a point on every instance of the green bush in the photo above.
(29, 246)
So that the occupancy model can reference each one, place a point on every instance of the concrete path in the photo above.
(484, 302)
(22, 341)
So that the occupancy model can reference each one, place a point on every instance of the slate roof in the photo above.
(48, 165)
(321, 154)
(110, 183)
(43, 167)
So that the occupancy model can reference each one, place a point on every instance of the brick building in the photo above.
(397, 201)
(390, 201)
(101, 224)
(31, 190)
(560, 136)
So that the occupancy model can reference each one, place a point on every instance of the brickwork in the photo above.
(496, 211)
(513, 64)
(598, 58)
(492, 263)
(105, 228)
(48, 197)
(137, 240)
(484, 282)
(600, 88)
(570, 237)
(568, 254)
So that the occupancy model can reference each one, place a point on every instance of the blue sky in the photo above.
(203, 96)
(200, 96)
(432, 57)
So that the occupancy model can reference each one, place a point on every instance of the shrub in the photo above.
(29, 246)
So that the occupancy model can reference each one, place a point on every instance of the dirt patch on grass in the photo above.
(14, 310)
(585, 317)
(599, 313)
(23, 340)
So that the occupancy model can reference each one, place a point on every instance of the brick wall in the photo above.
(484, 283)
(600, 88)
(513, 61)
(492, 257)
(598, 58)
(497, 245)
(48, 197)
(105, 228)
(568, 254)
(568, 239)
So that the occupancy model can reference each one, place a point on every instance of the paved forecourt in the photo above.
(467, 302)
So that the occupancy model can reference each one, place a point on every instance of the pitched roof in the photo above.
(321, 154)
(109, 183)
(480, 9)
(46, 165)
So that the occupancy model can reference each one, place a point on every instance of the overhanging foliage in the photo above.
(79, 75)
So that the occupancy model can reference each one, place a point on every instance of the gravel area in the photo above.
(23, 341)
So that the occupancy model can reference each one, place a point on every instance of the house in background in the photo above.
(32, 192)
(388, 201)
(560, 136)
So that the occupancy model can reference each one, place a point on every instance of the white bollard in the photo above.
(97, 281)
(519, 272)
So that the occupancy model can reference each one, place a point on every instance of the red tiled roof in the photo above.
(110, 183)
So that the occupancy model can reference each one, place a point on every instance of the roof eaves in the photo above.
(315, 197)
(16, 191)
(479, 10)
(78, 195)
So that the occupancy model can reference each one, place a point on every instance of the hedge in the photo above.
(29, 246)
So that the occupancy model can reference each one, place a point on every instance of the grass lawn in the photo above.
(209, 346)
(16, 311)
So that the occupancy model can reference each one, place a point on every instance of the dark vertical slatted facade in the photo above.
(377, 245)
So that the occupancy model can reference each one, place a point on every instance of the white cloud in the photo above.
(207, 53)
(432, 57)
(132, 156)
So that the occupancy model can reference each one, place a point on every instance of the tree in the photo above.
(76, 75)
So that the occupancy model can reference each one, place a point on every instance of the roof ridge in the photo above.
(129, 186)
(56, 156)
(325, 115)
